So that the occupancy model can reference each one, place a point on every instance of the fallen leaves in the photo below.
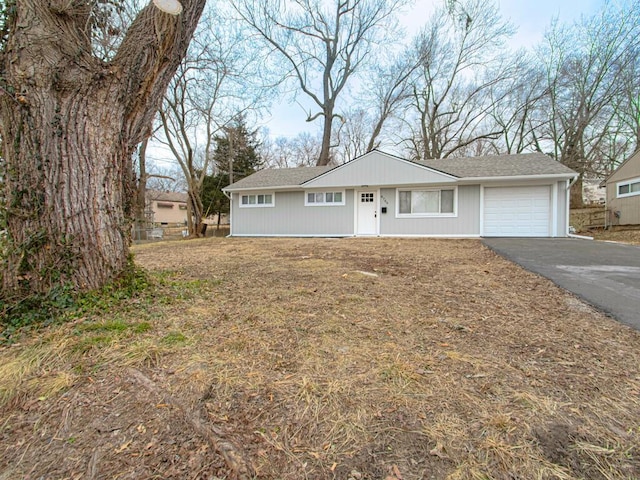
(123, 447)
(438, 451)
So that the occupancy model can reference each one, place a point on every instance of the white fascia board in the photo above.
(464, 180)
(513, 178)
(255, 189)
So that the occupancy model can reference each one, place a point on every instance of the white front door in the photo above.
(367, 216)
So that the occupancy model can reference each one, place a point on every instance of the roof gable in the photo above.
(628, 169)
(377, 168)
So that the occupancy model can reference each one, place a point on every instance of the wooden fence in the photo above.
(585, 219)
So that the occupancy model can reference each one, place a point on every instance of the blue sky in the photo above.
(531, 17)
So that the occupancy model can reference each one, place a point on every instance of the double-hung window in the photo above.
(256, 200)
(316, 199)
(628, 188)
(427, 202)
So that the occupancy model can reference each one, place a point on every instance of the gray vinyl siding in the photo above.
(628, 208)
(467, 221)
(377, 169)
(290, 217)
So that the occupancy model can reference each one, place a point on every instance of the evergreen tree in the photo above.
(237, 147)
(235, 153)
(214, 200)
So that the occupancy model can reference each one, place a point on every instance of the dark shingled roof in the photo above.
(499, 165)
(463, 167)
(167, 196)
(278, 177)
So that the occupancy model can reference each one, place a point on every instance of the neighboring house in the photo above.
(167, 208)
(380, 194)
(592, 193)
(623, 193)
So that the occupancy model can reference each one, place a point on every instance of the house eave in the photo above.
(458, 181)
(254, 189)
(513, 178)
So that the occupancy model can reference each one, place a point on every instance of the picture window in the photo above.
(426, 202)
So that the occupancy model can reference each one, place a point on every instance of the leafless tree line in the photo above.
(457, 88)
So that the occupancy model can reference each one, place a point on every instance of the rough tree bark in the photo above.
(141, 192)
(70, 124)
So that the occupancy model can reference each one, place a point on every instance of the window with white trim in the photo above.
(256, 200)
(628, 188)
(315, 199)
(426, 202)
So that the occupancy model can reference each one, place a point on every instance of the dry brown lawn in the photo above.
(617, 234)
(320, 358)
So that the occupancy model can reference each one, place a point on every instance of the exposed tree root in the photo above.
(233, 456)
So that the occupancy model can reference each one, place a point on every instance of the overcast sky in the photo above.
(531, 17)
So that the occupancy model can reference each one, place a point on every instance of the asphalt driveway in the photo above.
(606, 275)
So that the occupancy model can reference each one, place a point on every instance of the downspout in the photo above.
(566, 196)
(229, 196)
(606, 207)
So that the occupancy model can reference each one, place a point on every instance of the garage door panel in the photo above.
(517, 211)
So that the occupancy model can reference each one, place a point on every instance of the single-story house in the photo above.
(623, 193)
(166, 208)
(379, 194)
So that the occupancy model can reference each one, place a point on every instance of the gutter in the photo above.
(456, 180)
(550, 176)
(581, 237)
(272, 188)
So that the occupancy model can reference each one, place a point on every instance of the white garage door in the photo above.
(517, 211)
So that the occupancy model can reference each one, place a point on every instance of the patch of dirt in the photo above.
(572, 447)
(617, 234)
(320, 359)
(103, 428)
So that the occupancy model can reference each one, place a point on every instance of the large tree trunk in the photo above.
(326, 141)
(576, 200)
(70, 124)
(196, 208)
(69, 187)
